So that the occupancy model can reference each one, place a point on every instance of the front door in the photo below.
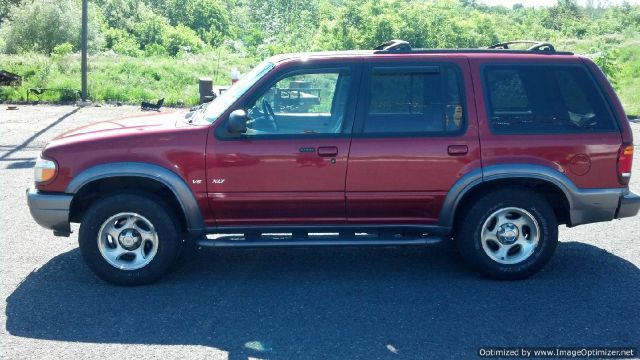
(290, 165)
(414, 137)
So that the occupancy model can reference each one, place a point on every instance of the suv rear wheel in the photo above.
(129, 238)
(508, 234)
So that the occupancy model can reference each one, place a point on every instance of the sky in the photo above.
(538, 3)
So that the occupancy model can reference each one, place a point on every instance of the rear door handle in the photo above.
(457, 150)
(327, 151)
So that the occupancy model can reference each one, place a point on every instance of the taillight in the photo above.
(625, 159)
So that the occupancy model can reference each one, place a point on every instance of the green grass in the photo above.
(120, 78)
(117, 78)
(627, 76)
(628, 87)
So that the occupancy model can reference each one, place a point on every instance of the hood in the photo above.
(134, 124)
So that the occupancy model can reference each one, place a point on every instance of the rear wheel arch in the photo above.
(551, 192)
(95, 182)
(555, 187)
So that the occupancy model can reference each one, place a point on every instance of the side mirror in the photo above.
(237, 122)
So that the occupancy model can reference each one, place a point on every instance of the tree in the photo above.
(151, 28)
(206, 17)
(119, 14)
(41, 25)
(5, 7)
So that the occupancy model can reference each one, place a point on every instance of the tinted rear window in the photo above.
(544, 99)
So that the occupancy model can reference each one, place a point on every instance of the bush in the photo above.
(62, 50)
(155, 50)
(121, 42)
(182, 39)
(606, 59)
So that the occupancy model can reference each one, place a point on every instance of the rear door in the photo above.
(414, 137)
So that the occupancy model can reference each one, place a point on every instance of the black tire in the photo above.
(469, 227)
(146, 205)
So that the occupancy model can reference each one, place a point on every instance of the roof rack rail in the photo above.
(537, 45)
(394, 46)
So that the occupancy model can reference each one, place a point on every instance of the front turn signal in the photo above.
(44, 170)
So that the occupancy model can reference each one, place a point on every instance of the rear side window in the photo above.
(414, 100)
(544, 99)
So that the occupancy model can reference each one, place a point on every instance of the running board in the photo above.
(426, 240)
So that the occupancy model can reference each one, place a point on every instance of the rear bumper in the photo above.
(597, 205)
(629, 205)
(50, 211)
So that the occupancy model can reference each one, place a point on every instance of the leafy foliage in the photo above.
(182, 39)
(41, 25)
(62, 50)
(255, 29)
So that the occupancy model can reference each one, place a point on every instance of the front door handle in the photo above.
(327, 151)
(457, 150)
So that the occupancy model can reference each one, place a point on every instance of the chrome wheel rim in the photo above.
(128, 241)
(510, 235)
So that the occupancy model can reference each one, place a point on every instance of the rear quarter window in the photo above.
(544, 99)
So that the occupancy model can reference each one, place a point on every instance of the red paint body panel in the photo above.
(404, 180)
(155, 139)
(271, 180)
(552, 150)
(401, 180)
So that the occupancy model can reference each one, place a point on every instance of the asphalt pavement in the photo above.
(341, 303)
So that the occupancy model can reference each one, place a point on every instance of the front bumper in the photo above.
(629, 205)
(50, 210)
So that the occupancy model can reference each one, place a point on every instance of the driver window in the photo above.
(308, 103)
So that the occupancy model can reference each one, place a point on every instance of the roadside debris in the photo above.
(65, 93)
(9, 79)
(146, 106)
(206, 90)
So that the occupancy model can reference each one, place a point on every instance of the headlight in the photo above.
(44, 170)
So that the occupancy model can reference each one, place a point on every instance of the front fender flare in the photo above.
(180, 189)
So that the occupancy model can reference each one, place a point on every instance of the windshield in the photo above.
(222, 102)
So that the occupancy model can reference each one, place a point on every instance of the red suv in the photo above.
(396, 146)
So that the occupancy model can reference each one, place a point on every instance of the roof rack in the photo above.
(539, 47)
(394, 46)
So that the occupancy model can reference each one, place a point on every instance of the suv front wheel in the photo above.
(508, 234)
(129, 238)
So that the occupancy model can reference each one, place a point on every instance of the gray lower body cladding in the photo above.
(50, 210)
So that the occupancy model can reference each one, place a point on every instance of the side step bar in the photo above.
(223, 243)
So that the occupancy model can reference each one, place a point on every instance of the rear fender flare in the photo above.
(507, 171)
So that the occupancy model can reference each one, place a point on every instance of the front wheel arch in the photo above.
(124, 173)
